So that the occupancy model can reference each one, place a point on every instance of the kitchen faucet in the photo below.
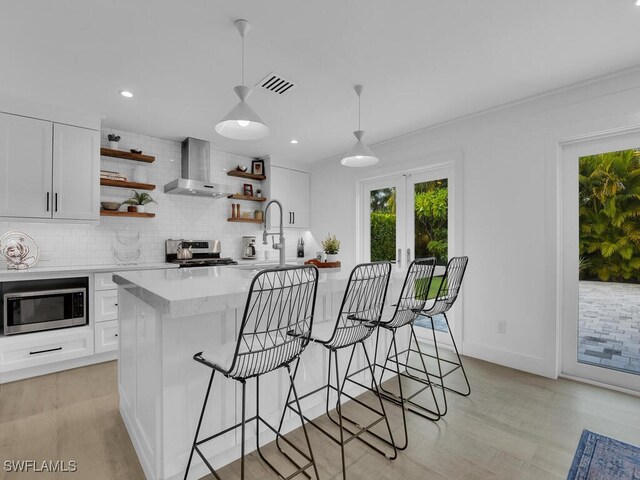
(265, 234)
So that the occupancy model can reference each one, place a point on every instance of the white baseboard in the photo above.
(57, 367)
(526, 363)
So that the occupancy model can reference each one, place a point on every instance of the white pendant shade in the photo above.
(359, 155)
(242, 123)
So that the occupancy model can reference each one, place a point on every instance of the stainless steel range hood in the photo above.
(196, 172)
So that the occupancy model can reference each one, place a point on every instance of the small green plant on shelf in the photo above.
(331, 246)
(138, 201)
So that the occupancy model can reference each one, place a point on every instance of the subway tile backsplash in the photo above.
(177, 216)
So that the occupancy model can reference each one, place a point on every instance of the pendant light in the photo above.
(242, 123)
(359, 155)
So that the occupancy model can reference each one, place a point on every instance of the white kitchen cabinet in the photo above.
(104, 281)
(76, 179)
(106, 305)
(291, 188)
(25, 167)
(106, 336)
(35, 349)
(48, 170)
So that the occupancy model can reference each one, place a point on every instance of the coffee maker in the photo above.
(248, 247)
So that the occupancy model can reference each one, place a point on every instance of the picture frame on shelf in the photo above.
(247, 189)
(257, 167)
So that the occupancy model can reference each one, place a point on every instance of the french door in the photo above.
(409, 216)
(600, 268)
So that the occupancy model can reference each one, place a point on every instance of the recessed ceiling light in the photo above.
(637, 3)
(126, 93)
(296, 141)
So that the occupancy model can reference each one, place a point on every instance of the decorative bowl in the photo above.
(241, 168)
(111, 206)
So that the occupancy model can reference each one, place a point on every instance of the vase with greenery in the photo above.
(139, 200)
(113, 141)
(331, 247)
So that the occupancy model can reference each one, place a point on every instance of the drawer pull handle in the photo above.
(45, 351)
(116, 334)
(116, 304)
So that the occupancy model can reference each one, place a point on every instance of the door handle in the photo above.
(294, 217)
(56, 201)
(48, 201)
(399, 259)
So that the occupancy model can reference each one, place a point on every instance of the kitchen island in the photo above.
(168, 316)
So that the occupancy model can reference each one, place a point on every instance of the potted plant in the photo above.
(138, 201)
(259, 193)
(113, 141)
(331, 246)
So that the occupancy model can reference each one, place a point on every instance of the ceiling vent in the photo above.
(276, 83)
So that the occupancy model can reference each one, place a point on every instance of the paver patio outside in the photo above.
(609, 325)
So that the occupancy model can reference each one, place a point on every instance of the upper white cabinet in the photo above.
(48, 170)
(76, 177)
(291, 188)
(25, 167)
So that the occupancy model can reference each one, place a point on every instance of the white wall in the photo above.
(509, 166)
(177, 216)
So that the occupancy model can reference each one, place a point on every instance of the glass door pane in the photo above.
(609, 264)
(600, 248)
(428, 235)
(382, 217)
(431, 216)
(384, 230)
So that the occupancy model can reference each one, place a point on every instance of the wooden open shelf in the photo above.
(138, 157)
(109, 213)
(106, 182)
(248, 198)
(245, 220)
(251, 176)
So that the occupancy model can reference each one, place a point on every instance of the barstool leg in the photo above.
(339, 411)
(242, 428)
(459, 363)
(292, 379)
(195, 438)
(414, 337)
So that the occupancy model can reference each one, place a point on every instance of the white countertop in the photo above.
(189, 291)
(11, 275)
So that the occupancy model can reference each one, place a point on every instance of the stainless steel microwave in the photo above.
(44, 305)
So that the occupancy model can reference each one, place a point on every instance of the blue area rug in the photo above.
(439, 323)
(603, 458)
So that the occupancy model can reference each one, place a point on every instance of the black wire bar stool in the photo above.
(275, 330)
(359, 316)
(413, 297)
(447, 294)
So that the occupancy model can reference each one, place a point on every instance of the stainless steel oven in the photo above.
(30, 306)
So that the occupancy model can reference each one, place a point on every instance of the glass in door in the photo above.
(428, 235)
(601, 260)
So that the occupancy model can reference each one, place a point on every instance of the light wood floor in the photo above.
(513, 426)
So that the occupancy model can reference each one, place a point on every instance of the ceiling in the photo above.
(421, 62)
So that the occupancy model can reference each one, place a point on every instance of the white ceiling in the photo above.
(421, 61)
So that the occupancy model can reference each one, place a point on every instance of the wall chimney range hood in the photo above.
(196, 171)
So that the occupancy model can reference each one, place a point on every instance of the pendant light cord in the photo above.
(359, 112)
(242, 69)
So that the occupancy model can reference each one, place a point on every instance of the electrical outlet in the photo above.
(502, 327)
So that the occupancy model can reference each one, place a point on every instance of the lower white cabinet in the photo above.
(106, 336)
(106, 306)
(35, 349)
